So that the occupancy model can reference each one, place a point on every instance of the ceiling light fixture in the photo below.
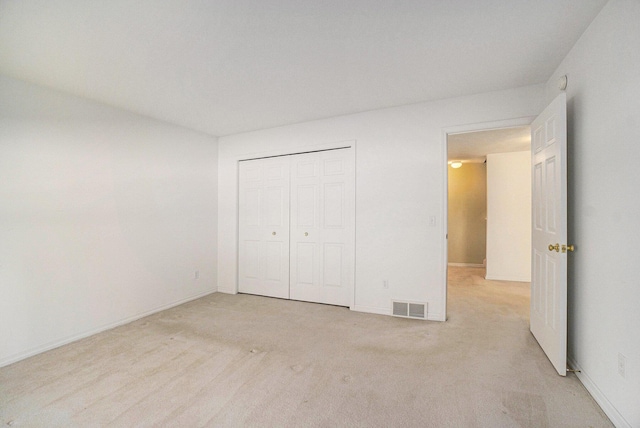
(456, 164)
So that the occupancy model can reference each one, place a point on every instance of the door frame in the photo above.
(288, 151)
(471, 127)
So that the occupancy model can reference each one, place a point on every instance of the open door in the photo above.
(549, 232)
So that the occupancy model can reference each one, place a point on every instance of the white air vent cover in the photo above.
(409, 309)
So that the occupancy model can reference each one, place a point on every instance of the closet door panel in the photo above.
(333, 268)
(305, 206)
(263, 253)
(334, 201)
(296, 227)
(306, 263)
(324, 223)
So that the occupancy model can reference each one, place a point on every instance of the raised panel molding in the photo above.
(334, 205)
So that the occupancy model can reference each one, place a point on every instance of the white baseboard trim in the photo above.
(57, 343)
(475, 265)
(502, 278)
(387, 311)
(227, 291)
(371, 310)
(435, 317)
(609, 409)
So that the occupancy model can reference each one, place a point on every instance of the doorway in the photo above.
(488, 231)
(548, 175)
(489, 201)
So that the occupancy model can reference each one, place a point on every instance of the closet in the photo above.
(296, 226)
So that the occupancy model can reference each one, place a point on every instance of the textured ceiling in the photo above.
(228, 66)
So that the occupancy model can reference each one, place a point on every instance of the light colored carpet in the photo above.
(252, 361)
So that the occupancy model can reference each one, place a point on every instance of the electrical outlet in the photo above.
(385, 283)
(196, 275)
(622, 365)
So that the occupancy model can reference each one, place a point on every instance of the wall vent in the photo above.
(409, 309)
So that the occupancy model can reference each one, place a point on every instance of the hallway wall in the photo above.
(467, 221)
(509, 216)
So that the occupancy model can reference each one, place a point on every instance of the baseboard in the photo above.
(387, 311)
(57, 343)
(474, 265)
(502, 278)
(371, 310)
(607, 407)
(435, 317)
(227, 291)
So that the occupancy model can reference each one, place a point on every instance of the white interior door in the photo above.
(322, 227)
(263, 253)
(549, 232)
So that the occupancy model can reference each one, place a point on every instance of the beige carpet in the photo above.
(251, 361)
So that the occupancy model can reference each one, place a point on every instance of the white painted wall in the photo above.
(603, 99)
(104, 217)
(400, 184)
(509, 216)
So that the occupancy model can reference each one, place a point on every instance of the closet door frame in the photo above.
(348, 144)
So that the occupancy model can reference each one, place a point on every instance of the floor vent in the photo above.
(409, 309)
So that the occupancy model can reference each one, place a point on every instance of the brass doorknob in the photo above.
(569, 248)
(273, 233)
(554, 247)
(306, 234)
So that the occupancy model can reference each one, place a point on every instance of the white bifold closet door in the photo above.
(263, 254)
(322, 218)
(320, 207)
